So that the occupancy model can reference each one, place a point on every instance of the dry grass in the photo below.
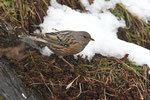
(23, 14)
(137, 30)
(100, 78)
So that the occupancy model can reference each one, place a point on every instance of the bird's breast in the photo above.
(73, 49)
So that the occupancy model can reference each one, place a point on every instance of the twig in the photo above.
(79, 92)
(36, 12)
(46, 85)
(70, 84)
(52, 84)
(125, 57)
(142, 98)
(105, 94)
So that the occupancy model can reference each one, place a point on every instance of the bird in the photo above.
(66, 42)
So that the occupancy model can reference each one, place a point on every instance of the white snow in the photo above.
(102, 25)
(140, 8)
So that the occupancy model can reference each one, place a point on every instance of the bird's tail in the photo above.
(33, 41)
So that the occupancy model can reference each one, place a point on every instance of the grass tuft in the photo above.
(137, 30)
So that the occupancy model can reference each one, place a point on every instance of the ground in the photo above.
(100, 78)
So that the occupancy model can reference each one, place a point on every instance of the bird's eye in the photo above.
(84, 36)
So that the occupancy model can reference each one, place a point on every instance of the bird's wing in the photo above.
(64, 38)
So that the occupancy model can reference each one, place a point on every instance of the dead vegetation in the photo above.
(101, 78)
(137, 31)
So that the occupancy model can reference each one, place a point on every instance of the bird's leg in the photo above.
(67, 62)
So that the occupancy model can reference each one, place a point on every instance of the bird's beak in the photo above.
(91, 39)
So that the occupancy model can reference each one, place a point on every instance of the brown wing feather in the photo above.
(73, 49)
(62, 43)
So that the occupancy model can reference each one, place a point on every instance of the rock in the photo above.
(11, 87)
